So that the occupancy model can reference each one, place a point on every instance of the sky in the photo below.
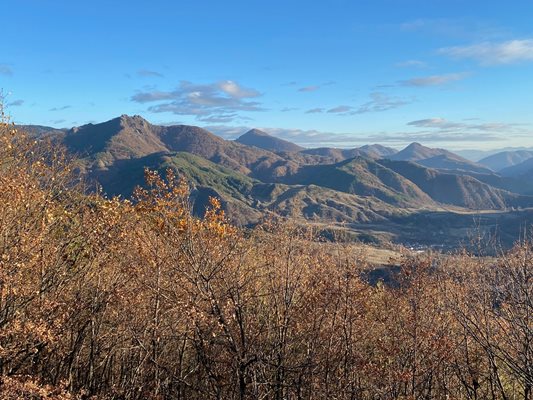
(446, 73)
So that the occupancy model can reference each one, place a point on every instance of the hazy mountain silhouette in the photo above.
(506, 159)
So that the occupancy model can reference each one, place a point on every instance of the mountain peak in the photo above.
(262, 140)
(378, 150)
(131, 119)
(256, 132)
(416, 145)
(437, 158)
(416, 151)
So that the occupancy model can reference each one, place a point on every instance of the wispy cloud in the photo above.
(494, 53)
(381, 102)
(340, 109)
(315, 138)
(411, 64)
(434, 131)
(309, 88)
(479, 134)
(443, 138)
(314, 88)
(288, 109)
(235, 90)
(440, 123)
(5, 70)
(60, 108)
(149, 73)
(227, 131)
(15, 103)
(434, 80)
(315, 111)
(446, 125)
(220, 100)
(311, 137)
(378, 102)
(306, 138)
(219, 119)
(152, 96)
(441, 130)
(458, 28)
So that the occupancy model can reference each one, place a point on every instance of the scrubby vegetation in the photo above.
(114, 299)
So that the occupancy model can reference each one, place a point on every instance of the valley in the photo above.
(419, 197)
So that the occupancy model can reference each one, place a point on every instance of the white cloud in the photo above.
(440, 123)
(433, 80)
(434, 131)
(213, 102)
(378, 102)
(233, 89)
(219, 119)
(315, 138)
(381, 102)
(306, 138)
(151, 96)
(494, 53)
(443, 124)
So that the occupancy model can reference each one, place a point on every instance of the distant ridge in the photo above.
(263, 140)
(460, 190)
(375, 151)
(437, 158)
(417, 152)
(506, 159)
(41, 130)
(335, 154)
(379, 150)
(524, 169)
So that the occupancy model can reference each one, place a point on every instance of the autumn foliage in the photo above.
(115, 299)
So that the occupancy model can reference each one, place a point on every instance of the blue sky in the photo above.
(456, 74)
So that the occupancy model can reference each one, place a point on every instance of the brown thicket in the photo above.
(111, 299)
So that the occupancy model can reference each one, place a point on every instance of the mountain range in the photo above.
(506, 159)
(364, 191)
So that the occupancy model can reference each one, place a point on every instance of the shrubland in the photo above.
(107, 298)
